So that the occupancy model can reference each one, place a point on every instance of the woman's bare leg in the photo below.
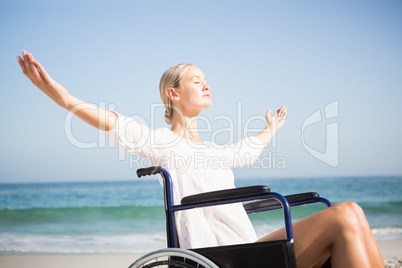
(371, 245)
(340, 231)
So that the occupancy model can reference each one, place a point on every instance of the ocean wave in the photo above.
(387, 233)
(17, 216)
(128, 243)
(374, 205)
(84, 220)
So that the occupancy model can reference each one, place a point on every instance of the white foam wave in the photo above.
(265, 229)
(387, 233)
(384, 233)
(30, 243)
(131, 243)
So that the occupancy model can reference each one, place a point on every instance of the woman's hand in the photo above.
(276, 121)
(40, 78)
(89, 113)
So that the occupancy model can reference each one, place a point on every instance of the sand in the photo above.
(68, 260)
(391, 251)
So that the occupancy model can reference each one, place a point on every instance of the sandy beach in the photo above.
(391, 251)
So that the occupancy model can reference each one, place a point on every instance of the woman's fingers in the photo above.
(285, 113)
(281, 112)
(277, 120)
(32, 69)
(26, 62)
(22, 64)
(42, 72)
(269, 112)
(268, 116)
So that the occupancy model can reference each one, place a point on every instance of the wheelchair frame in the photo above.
(232, 256)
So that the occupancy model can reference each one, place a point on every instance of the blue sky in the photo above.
(255, 54)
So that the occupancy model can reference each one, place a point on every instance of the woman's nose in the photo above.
(206, 87)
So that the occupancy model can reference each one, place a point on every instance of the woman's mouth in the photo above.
(206, 96)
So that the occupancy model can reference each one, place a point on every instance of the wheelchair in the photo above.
(280, 253)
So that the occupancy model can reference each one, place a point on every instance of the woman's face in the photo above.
(194, 92)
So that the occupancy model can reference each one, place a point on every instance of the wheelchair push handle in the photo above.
(147, 171)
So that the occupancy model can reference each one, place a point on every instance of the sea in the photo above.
(128, 216)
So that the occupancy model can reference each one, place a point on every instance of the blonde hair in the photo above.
(171, 78)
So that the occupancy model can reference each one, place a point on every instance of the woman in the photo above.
(340, 231)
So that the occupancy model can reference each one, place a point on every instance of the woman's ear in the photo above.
(172, 94)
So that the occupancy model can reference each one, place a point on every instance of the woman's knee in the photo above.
(348, 216)
(351, 209)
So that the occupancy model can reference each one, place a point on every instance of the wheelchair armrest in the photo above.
(147, 171)
(241, 192)
(235, 195)
(294, 199)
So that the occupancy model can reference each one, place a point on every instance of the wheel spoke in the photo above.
(177, 258)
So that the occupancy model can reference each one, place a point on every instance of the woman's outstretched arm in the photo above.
(274, 123)
(89, 113)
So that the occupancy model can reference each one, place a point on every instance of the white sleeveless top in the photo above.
(195, 168)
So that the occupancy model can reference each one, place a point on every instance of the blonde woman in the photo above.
(340, 232)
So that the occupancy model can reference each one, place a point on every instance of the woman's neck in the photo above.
(186, 127)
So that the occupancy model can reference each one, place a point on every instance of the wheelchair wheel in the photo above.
(173, 258)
